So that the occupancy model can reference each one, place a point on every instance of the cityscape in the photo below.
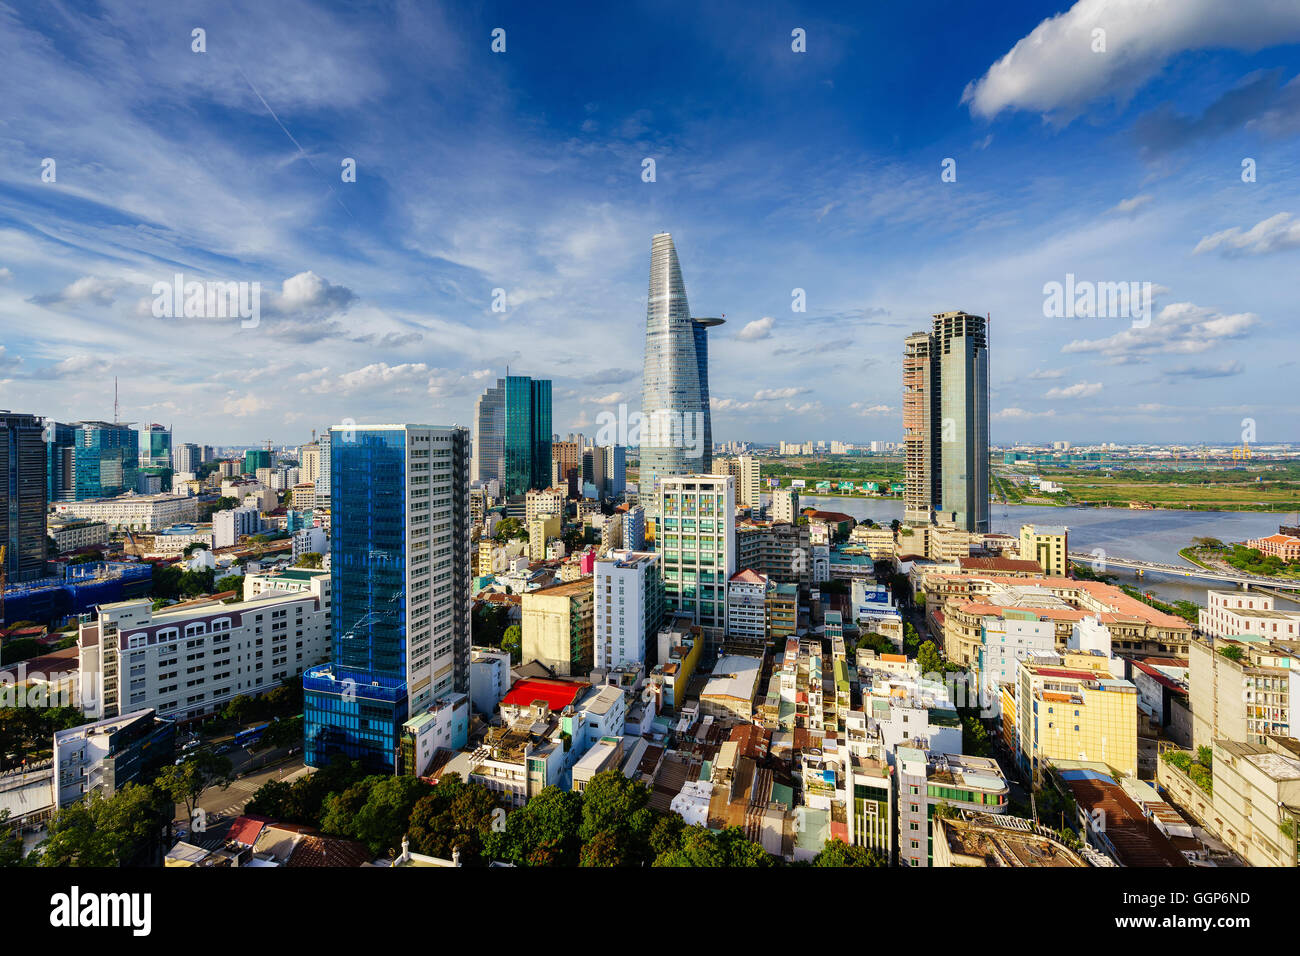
(813, 569)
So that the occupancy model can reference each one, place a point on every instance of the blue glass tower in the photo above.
(105, 459)
(400, 576)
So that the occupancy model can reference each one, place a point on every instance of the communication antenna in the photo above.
(115, 408)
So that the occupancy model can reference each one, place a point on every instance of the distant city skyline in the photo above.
(866, 181)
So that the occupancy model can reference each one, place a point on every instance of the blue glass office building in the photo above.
(105, 459)
(399, 561)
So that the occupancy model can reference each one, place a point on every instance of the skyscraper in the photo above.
(696, 537)
(512, 434)
(946, 423)
(156, 447)
(60, 477)
(400, 584)
(105, 459)
(677, 430)
(23, 499)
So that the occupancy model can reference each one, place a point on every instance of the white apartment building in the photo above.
(1234, 613)
(629, 595)
(191, 660)
(71, 534)
(696, 538)
(308, 541)
(1005, 642)
(228, 526)
(132, 512)
(539, 504)
(747, 606)
(785, 505)
(746, 471)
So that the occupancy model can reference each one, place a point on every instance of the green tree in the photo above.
(513, 641)
(11, 843)
(309, 559)
(187, 781)
(377, 810)
(729, 847)
(240, 709)
(544, 832)
(617, 810)
(453, 816)
(838, 853)
(230, 582)
(122, 830)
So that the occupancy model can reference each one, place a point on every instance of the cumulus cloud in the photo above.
(1047, 373)
(1274, 234)
(1180, 328)
(1078, 390)
(5, 274)
(862, 408)
(307, 293)
(395, 377)
(756, 330)
(774, 394)
(1054, 70)
(613, 398)
(88, 290)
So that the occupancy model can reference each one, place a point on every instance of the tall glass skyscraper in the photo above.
(677, 429)
(105, 459)
(22, 496)
(400, 588)
(512, 434)
(946, 422)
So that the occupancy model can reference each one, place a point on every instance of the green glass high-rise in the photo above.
(512, 440)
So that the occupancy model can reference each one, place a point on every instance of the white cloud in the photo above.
(756, 330)
(307, 292)
(88, 290)
(1055, 71)
(1078, 390)
(862, 408)
(1274, 234)
(774, 394)
(1039, 374)
(1180, 328)
(613, 398)
(390, 376)
(1015, 414)
(241, 406)
(1132, 205)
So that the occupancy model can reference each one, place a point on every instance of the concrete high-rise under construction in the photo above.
(946, 423)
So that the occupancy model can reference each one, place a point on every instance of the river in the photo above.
(1144, 535)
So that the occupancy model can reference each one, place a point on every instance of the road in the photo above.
(222, 806)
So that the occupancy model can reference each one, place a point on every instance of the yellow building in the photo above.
(1074, 713)
(558, 626)
(1050, 547)
(540, 530)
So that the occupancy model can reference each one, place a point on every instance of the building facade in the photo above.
(696, 537)
(23, 496)
(401, 574)
(677, 428)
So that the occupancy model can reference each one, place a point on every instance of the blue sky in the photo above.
(775, 170)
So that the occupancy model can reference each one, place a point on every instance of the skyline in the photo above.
(774, 171)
